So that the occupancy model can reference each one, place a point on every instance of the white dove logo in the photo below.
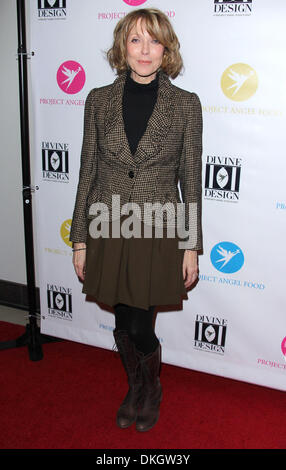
(227, 257)
(238, 79)
(71, 77)
(239, 82)
(71, 74)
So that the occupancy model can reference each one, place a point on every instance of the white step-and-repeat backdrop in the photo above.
(234, 322)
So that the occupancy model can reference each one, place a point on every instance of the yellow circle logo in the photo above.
(65, 231)
(239, 82)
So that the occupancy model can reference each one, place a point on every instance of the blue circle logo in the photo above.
(227, 257)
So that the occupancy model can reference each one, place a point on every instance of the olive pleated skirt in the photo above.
(139, 272)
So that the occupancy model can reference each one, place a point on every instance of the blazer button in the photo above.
(131, 174)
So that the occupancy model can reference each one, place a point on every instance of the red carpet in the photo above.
(70, 398)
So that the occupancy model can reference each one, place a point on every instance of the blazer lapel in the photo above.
(115, 137)
(158, 125)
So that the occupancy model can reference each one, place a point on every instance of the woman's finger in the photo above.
(191, 277)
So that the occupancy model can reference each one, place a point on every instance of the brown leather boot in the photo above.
(131, 359)
(151, 397)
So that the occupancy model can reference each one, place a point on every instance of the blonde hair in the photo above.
(159, 27)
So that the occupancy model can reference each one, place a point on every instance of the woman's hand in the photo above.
(190, 267)
(79, 260)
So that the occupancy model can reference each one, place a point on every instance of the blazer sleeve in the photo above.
(190, 173)
(87, 172)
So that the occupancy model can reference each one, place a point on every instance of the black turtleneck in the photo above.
(138, 104)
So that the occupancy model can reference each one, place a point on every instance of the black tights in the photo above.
(139, 325)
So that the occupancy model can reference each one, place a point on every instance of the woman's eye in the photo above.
(156, 41)
(134, 40)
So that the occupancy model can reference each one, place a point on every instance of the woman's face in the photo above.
(144, 54)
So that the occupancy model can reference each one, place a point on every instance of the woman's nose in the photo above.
(145, 47)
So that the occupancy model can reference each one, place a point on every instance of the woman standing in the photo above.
(142, 135)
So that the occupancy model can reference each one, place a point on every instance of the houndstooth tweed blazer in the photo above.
(169, 151)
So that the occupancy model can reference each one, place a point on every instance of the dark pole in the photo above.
(34, 345)
(32, 337)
